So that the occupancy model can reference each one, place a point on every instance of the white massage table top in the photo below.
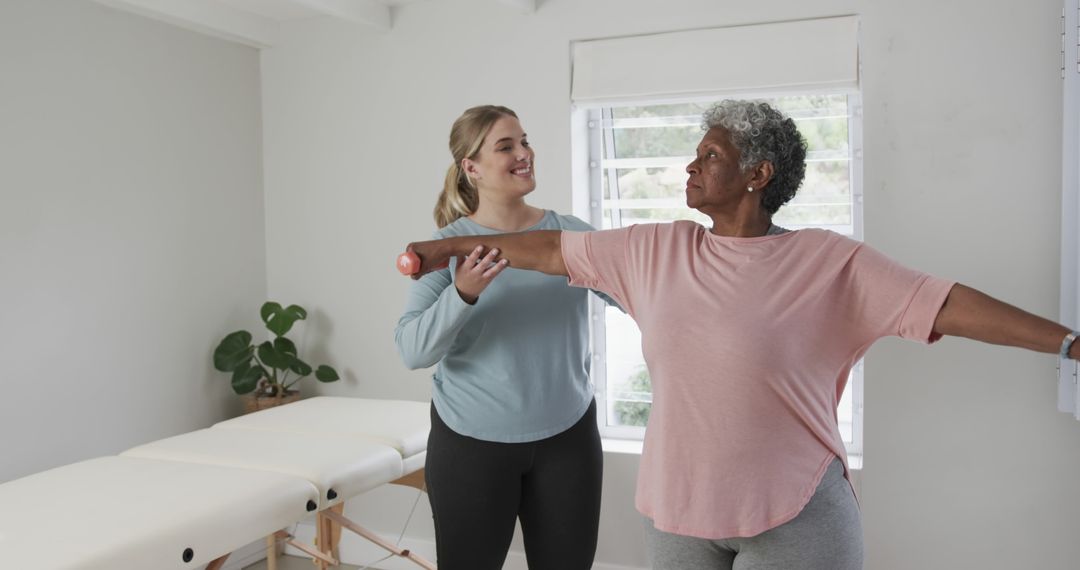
(401, 424)
(340, 466)
(127, 512)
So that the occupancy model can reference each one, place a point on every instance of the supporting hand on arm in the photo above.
(475, 273)
(975, 315)
(537, 250)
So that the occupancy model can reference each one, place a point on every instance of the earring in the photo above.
(749, 188)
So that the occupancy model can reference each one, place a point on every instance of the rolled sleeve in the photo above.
(597, 260)
(887, 298)
(918, 320)
(575, 251)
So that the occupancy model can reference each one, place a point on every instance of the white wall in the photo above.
(131, 228)
(965, 457)
(967, 462)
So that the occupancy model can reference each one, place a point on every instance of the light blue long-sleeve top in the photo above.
(512, 368)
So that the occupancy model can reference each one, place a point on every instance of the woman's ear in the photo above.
(469, 168)
(761, 174)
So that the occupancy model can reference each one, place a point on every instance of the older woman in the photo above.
(749, 332)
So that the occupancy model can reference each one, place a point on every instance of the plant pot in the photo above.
(254, 402)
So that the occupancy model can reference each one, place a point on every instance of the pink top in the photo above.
(748, 342)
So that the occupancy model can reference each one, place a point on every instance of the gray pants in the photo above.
(826, 535)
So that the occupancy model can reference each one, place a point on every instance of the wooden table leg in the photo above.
(271, 552)
(322, 540)
(414, 480)
(335, 531)
(217, 563)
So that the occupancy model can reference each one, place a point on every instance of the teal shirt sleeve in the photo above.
(434, 315)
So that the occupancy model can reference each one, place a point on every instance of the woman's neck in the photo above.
(745, 225)
(506, 216)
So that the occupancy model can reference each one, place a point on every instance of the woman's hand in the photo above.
(474, 273)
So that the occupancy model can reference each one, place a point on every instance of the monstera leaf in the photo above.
(326, 374)
(246, 378)
(279, 320)
(234, 351)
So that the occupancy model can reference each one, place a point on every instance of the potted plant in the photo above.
(262, 373)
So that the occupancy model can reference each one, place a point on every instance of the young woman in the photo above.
(513, 421)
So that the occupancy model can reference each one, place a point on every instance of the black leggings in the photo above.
(479, 488)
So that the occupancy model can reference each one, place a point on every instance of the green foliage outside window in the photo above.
(633, 412)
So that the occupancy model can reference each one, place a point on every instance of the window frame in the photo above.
(590, 121)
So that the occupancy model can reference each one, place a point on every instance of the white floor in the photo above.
(296, 563)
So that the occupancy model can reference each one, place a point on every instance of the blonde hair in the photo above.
(459, 197)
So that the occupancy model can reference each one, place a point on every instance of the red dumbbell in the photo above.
(408, 263)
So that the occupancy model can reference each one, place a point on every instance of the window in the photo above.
(637, 155)
(1068, 394)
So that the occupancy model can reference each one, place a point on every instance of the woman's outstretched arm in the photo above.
(972, 314)
(539, 250)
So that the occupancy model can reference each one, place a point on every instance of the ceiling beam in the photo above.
(527, 6)
(367, 12)
(207, 17)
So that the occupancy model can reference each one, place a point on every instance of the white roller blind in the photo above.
(784, 56)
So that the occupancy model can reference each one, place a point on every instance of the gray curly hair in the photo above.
(762, 133)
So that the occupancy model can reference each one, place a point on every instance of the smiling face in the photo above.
(716, 182)
(504, 163)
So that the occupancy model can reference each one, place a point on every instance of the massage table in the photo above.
(190, 500)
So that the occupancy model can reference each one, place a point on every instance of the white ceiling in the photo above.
(276, 9)
(257, 22)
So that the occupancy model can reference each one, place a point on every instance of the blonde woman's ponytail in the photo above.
(458, 198)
